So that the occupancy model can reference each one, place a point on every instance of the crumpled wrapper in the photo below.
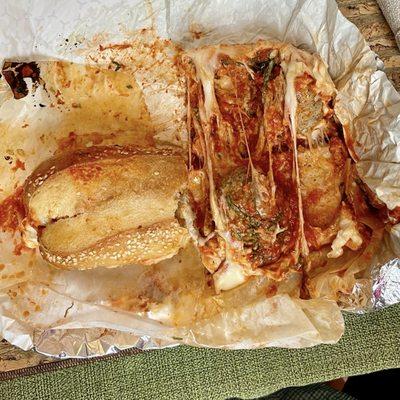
(123, 87)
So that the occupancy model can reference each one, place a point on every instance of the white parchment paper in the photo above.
(88, 313)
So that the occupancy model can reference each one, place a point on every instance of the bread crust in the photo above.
(107, 206)
(144, 246)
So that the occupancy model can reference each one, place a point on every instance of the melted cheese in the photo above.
(317, 135)
(161, 313)
(205, 61)
(313, 65)
(236, 268)
(293, 69)
(29, 236)
(229, 276)
(348, 235)
(187, 213)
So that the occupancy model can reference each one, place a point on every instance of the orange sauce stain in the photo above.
(85, 173)
(115, 46)
(18, 165)
(20, 247)
(21, 288)
(68, 142)
(395, 214)
(303, 81)
(12, 211)
(271, 290)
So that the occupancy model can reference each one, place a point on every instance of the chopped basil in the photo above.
(265, 67)
(117, 65)
(267, 73)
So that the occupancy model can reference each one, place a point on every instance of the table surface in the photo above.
(367, 16)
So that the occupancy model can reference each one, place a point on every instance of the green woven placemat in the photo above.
(371, 342)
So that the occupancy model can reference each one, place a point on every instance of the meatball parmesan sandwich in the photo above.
(106, 207)
(272, 187)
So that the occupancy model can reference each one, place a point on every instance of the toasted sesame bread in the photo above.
(107, 206)
(143, 246)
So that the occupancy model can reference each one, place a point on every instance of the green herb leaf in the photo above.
(267, 73)
(117, 65)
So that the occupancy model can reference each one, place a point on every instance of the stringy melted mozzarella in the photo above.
(292, 70)
(236, 268)
(348, 235)
(229, 276)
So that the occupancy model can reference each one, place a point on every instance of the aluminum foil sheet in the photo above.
(85, 343)
(386, 285)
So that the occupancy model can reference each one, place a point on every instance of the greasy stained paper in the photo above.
(100, 93)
